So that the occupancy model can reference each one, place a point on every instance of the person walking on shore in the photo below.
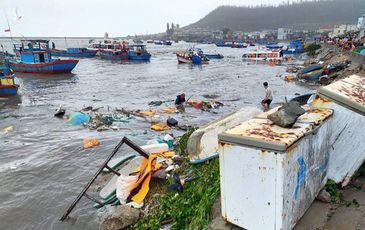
(268, 97)
(179, 102)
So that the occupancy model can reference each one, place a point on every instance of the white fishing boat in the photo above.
(263, 55)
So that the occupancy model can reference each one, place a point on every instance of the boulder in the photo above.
(287, 115)
(324, 196)
(119, 217)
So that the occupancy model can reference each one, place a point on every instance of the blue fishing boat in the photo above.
(74, 52)
(224, 44)
(8, 87)
(167, 43)
(34, 56)
(274, 46)
(117, 55)
(295, 47)
(192, 56)
(157, 42)
(138, 52)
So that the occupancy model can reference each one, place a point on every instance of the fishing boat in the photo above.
(266, 55)
(274, 46)
(34, 56)
(8, 87)
(107, 44)
(114, 54)
(295, 47)
(138, 52)
(150, 41)
(157, 42)
(214, 56)
(192, 56)
(239, 45)
(167, 43)
(224, 44)
(74, 52)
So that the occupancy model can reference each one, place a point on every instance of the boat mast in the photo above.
(7, 20)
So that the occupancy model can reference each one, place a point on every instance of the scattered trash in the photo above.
(89, 143)
(210, 96)
(287, 115)
(160, 127)
(168, 110)
(289, 78)
(155, 103)
(179, 183)
(171, 122)
(8, 129)
(146, 113)
(79, 118)
(60, 112)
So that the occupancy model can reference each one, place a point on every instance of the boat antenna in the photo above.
(9, 29)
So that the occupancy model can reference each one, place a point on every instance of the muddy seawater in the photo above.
(43, 165)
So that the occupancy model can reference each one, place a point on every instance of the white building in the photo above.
(342, 29)
(283, 33)
(361, 22)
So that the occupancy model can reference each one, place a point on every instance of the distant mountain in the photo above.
(305, 14)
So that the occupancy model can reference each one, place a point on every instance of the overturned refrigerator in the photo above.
(347, 141)
(271, 175)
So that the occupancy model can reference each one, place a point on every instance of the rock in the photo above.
(171, 122)
(287, 115)
(160, 174)
(324, 196)
(178, 159)
(119, 217)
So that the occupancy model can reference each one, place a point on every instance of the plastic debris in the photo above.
(160, 127)
(146, 113)
(90, 143)
(60, 112)
(172, 121)
(168, 110)
(8, 129)
(78, 118)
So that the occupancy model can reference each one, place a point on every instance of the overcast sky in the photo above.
(94, 17)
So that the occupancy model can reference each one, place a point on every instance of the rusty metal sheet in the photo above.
(349, 92)
(315, 115)
(262, 133)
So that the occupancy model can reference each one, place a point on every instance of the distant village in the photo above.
(204, 35)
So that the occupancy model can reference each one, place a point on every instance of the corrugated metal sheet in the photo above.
(349, 92)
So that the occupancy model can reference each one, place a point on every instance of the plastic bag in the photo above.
(124, 185)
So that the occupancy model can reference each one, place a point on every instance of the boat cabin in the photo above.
(33, 51)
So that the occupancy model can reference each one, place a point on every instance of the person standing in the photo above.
(179, 102)
(268, 97)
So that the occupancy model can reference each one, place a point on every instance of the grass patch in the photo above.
(191, 208)
(332, 189)
(312, 48)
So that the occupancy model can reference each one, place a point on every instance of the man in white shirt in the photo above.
(268, 97)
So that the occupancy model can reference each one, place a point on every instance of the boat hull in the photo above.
(62, 53)
(8, 90)
(56, 66)
(143, 57)
(113, 57)
(214, 56)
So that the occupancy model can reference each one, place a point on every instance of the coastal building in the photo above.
(361, 22)
(283, 33)
(325, 29)
(218, 35)
(342, 29)
(237, 35)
